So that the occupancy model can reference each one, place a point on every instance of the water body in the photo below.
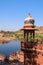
(10, 47)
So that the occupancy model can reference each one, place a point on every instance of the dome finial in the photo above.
(29, 14)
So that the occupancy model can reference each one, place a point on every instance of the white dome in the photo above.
(29, 17)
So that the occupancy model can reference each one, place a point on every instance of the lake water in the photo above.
(9, 47)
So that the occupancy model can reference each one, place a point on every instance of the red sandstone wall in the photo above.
(40, 54)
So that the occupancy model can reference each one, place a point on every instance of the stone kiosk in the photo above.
(29, 46)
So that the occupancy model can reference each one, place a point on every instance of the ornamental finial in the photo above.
(29, 14)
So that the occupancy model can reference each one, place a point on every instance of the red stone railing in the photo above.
(30, 45)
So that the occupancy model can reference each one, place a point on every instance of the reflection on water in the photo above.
(9, 47)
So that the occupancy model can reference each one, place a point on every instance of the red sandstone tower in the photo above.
(29, 41)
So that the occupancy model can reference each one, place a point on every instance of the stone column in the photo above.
(30, 36)
(33, 35)
(25, 36)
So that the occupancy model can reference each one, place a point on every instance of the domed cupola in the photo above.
(29, 21)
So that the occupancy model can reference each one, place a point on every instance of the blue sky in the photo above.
(13, 13)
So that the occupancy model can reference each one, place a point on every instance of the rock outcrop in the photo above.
(19, 55)
(2, 57)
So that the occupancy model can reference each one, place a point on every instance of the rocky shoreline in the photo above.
(13, 63)
(13, 59)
